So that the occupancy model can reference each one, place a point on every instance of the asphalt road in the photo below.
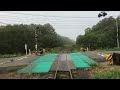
(24, 60)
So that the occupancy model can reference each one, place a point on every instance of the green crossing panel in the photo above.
(40, 65)
(78, 62)
(43, 67)
(81, 61)
(87, 59)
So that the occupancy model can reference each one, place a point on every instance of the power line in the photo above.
(40, 21)
(3, 23)
(36, 19)
(55, 24)
(44, 20)
(46, 16)
(59, 23)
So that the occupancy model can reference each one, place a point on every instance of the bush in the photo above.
(55, 50)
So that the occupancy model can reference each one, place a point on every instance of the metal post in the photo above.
(117, 33)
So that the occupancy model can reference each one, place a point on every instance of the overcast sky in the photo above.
(66, 23)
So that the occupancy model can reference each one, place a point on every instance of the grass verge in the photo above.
(109, 49)
(106, 71)
(9, 55)
(112, 74)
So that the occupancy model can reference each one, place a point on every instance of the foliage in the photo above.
(14, 37)
(9, 55)
(100, 36)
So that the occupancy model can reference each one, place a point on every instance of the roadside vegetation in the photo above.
(96, 65)
(101, 36)
(106, 71)
(108, 49)
(14, 37)
(111, 74)
(9, 55)
(56, 49)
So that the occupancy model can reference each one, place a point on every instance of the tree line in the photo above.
(100, 36)
(14, 37)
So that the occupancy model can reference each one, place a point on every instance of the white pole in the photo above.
(26, 51)
(29, 52)
(87, 48)
(26, 48)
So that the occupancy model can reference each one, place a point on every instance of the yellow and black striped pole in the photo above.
(109, 58)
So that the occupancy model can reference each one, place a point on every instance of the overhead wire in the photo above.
(42, 20)
(45, 15)
(14, 13)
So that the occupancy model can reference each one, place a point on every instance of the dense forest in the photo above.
(14, 37)
(100, 36)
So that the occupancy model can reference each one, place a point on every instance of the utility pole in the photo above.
(36, 41)
(117, 33)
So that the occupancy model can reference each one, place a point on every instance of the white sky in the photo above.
(66, 23)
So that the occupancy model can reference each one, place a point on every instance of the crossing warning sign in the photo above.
(108, 57)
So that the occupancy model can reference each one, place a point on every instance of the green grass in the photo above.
(109, 49)
(111, 74)
(96, 65)
(9, 55)
(75, 50)
(56, 50)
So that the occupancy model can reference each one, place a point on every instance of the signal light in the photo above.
(102, 14)
(99, 15)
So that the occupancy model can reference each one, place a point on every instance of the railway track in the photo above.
(62, 74)
(59, 70)
(70, 73)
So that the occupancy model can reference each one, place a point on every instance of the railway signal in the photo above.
(103, 13)
(99, 15)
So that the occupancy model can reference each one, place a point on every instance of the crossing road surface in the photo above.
(24, 60)
(63, 61)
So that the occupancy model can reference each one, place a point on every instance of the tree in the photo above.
(101, 35)
(14, 37)
(87, 30)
